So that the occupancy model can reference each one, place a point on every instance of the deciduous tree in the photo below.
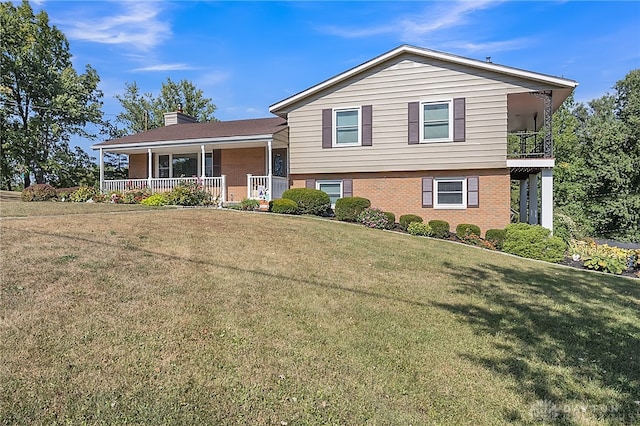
(43, 100)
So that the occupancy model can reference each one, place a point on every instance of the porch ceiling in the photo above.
(523, 108)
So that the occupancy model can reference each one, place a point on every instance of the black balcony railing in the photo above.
(526, 145)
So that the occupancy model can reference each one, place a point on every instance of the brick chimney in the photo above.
(178, 117)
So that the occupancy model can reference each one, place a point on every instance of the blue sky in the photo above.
(249, 55)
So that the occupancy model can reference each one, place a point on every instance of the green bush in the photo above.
(349, 208)
(465, 229)
(154, 200)
(310, 201)
(439, 228)
(283, 206)
(188, 194)
(419, 228)
(64, 194)
(83, 194)
(135, 196)
(566, 228)
(249, 204)
(534, 242)
(391, 218)
(39, 192)
(373, 218)
(496, 237)
(407, 219)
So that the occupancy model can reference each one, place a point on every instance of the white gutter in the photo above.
(183, 142)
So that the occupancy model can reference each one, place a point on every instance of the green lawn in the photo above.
(201, 316)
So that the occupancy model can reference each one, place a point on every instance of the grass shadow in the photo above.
(574, 349)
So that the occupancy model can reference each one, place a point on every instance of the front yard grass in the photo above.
(197, 316)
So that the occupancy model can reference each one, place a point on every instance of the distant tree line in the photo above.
(597, 152)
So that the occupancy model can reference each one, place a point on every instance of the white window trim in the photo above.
(157, 164)
(436, 182)
(331, 182)
(439, 101)
(334, 122)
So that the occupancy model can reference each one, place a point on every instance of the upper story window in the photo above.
(347, 127)
(437, 121)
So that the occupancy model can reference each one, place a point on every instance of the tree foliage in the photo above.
(598, 161)
(43, 100)
(144, 111)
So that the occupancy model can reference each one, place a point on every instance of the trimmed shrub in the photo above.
(496, 237)
(391, 218)
(465, 229)
(249, 204)
(407, 219)
(283, 206)
(439, 228)
(310, 201)
(83, 194)
(373, 218)
(154, 200)
(349, 208)
(533, 242)
(39, 192)
(419, 228)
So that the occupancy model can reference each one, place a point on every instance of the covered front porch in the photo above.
(232, 160)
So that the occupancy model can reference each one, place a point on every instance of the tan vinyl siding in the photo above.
(389, 87)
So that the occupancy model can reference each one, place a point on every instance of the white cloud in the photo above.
(213, 78)
(164, 67)
(491, 46)
(137, 24)
(434, 18)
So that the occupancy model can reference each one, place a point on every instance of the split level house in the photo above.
(413, 130)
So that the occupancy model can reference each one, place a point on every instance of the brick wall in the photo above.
(236, 163)
(401, 193)
(138, 166)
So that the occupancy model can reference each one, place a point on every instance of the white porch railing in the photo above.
(266, 187)
(216, 186)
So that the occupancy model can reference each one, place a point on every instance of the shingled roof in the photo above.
(203, 131)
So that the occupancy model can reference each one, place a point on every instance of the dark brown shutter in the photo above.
(459, 133)
(367, 128)
(473, 191)
(310, 183)
(347, 187)
(414, 123)
(327, 128)
(427, 192)
(217, 162)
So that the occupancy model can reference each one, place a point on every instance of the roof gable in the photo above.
(281, 108)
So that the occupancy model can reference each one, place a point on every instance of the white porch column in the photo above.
(223, 197)
(533, 199)
(203, 174)
(248, 185)
(269, 169)
(150, 174)
(101, 169)
(547, 199)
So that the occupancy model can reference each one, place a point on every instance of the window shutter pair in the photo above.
(459, 118)
(217, 163)
(366, 123)
(473, 192)
(347, 186)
